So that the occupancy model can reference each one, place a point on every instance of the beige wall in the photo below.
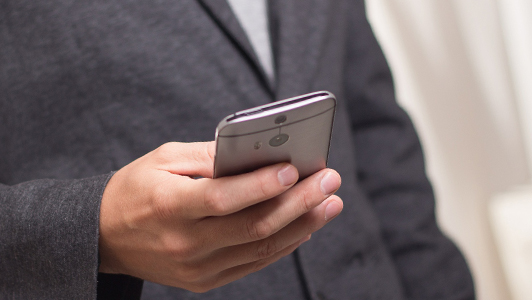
(450, 60)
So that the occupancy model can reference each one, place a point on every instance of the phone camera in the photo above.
(278, 140)
(280, 119)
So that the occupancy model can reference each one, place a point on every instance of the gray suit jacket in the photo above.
(88, 86)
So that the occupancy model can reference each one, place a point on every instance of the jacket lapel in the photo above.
(223, 15)
(298, 29)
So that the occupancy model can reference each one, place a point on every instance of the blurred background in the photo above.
(463, 70)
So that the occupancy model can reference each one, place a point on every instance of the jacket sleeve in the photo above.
(391, 171)
(49, 239)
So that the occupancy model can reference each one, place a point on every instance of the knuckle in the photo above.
(263, 184)
(267, 249)
(179, 250)
(167, 153)
(258, 230)
(166, 148)
(306, 200)
(214, 200)
(203, 155)
(209, 152)
(160, 152)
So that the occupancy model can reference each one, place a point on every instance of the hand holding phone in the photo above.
(218, 230)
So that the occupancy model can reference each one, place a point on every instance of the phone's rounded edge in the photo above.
(229, 120)
(221, 125)
(333, 97)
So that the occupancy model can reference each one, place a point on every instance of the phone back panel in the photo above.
(258, 140)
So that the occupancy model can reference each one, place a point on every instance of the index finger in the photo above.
(190, 159)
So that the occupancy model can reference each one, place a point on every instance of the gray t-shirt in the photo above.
(253, 17)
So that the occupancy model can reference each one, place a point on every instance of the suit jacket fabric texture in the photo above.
(88, 86)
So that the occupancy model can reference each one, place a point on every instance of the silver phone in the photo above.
(296, 130)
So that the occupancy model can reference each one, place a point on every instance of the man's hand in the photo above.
(160, 224)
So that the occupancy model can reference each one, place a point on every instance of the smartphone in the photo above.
(296, 130)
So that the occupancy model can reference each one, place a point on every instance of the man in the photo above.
(89, 87)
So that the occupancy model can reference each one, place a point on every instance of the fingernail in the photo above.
(329, 183)
(332, 210)
(287, 175)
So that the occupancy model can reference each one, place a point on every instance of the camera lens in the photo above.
(278, 140)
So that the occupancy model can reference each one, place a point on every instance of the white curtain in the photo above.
(463, 69)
